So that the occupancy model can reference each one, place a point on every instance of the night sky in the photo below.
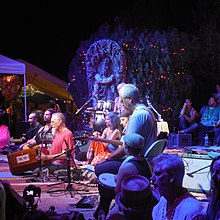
(47, 34)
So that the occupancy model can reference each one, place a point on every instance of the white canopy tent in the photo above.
(10, 66)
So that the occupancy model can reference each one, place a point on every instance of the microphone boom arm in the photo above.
(83, 106)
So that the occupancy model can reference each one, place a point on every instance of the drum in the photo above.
(109, 105)
(107, 180)
(100, 105)
(99, 121)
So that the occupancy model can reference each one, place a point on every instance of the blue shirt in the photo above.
(210, 116)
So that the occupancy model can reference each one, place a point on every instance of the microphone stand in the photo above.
(83, 106)
(68, 179)
(196, 171)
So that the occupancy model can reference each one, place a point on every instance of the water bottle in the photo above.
(90, 156)
(44, 174)
(206, 140)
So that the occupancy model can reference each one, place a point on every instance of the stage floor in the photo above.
(53, 192)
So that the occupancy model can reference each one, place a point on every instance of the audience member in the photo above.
(118, 108)
(13, 204)
(44, 135)
(132, 165)
(187, 118)
(210, 121)
(35, 215)
(2, 201)
(176, 202)
(62, 144)
(5, 134)
(97, 151)
(135, 200)
(142, 122)
(213, 209)
(217, 94)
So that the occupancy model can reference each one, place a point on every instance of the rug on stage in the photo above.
(60, 194)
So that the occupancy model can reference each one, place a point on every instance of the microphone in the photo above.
(190, 175)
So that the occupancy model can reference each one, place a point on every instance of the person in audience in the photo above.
(187, 118)
(124, 118)
(62, 145)
(217, 94)
(142, 122)
(97, 151)
(35, 215)
(4, 134)
(43, 139)
(218, 101)
(2, 201)
(176, 202)
(132, 165)
(135, 200)
(118, 108)
(213, 209)
(209, 122)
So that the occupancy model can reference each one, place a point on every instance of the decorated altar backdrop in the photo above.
(9, 66)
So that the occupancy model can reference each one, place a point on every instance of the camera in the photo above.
(29, 194)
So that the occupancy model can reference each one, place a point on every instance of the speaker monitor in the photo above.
(177, 140)
(197, 176)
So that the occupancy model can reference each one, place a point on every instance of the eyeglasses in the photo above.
(124, 99)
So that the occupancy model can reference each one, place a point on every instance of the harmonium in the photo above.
(23, 160)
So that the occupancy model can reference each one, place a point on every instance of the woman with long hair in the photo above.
(97, 151)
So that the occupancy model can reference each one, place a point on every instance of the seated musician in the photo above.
(124, 118)
(62, 145)
(97, 151)
(134, 164)
(35, 120)
(43, 139)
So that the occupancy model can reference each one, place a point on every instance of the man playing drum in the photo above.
(132, 165)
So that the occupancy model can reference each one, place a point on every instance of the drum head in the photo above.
(109, 105)
(99, 121)
(108, 180)
(100, 105)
